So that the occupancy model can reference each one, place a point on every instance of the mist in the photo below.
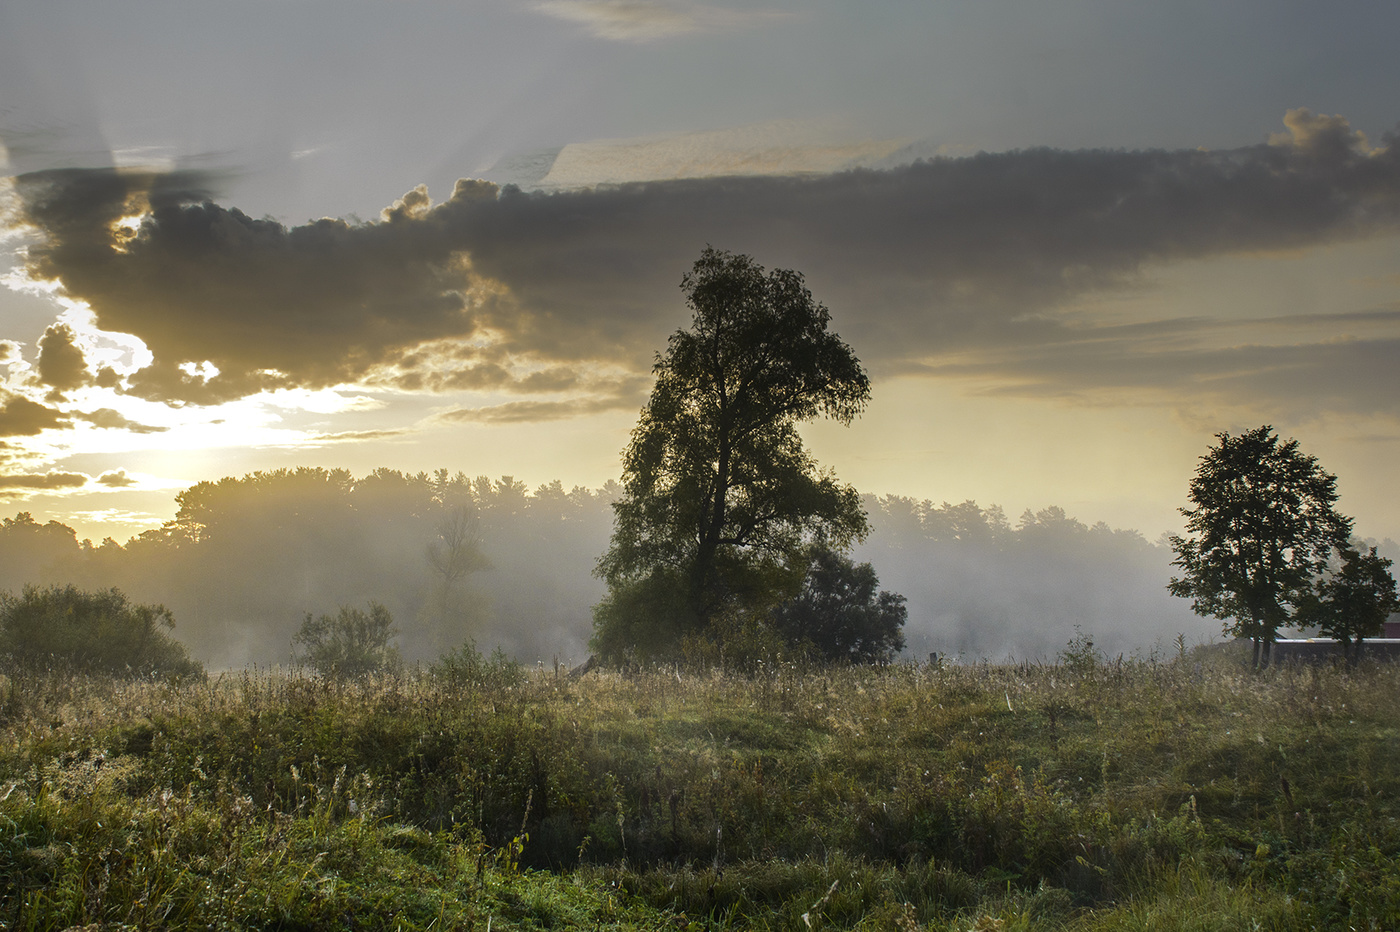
(980, 587)
(459, 559)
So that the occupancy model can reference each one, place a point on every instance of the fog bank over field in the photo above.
(980, 586)
(454, 558)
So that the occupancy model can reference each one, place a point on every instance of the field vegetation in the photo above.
(1174, 792)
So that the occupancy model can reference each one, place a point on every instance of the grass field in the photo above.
(1145, 794)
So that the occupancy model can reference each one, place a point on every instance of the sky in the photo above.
(1071, 240)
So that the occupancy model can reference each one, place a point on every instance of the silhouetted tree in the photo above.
(93, 632)
(454, 553)
(720, 498)
(350, 644)
(841, 613)
(1262, 528)
(1353, 603)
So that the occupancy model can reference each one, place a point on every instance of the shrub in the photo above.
(465, 667)
(350, 644)
(92, 632)
(842, 613)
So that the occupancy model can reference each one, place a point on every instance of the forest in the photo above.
(456, 558)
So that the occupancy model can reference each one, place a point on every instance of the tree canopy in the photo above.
(1353, 603)
(1262, 527)
(720, 497)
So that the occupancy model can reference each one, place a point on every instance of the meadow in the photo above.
(1177, 792)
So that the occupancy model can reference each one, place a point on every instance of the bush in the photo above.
(350, 644)
(465, 667)
(91, 632)
(841, 612)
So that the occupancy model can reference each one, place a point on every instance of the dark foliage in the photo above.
(1262, 527)
(841, 614)
(1353, 603)
(720, 498)
(96, 632)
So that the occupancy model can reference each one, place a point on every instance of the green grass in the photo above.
(1138, 795)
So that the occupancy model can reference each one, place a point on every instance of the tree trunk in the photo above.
(710, 535)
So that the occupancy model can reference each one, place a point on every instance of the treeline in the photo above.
(452, 557)
(245, 559)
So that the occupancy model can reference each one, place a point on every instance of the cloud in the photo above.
(108, 419)
(62, 364)
(268, 306)
(21, 417)
(647, 20)
(115, 479)
(779, 147)
(949, 261)
(1318, 133)
(519, 412)
(356, 436)
(43, 481)
(1181, 363)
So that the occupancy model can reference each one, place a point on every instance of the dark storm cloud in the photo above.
(965, 255)
(21, 417)
(270, 306)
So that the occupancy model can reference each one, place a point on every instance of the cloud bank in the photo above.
(954, 267)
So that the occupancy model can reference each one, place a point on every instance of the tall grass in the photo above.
(1072, 795)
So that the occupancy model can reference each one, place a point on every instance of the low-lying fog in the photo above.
(456, 558)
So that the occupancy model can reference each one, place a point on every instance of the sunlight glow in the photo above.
(319, 401)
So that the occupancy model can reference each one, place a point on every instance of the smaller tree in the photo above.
(1353, 603)
(841, 613)
(452, 608)
(91, 632)
(350, 644)
(1262, 528)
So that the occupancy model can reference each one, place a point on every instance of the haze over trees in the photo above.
(720, 499)
(982, 585)
(977, 583)
(246, 558)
